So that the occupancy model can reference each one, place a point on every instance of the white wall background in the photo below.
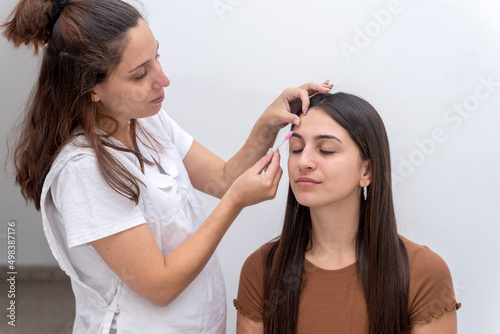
(431, 68)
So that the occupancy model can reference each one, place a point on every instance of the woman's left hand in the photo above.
(282, 111)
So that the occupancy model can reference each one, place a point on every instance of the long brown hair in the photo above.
(382, 261)
(80, 48)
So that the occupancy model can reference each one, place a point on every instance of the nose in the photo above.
(306, 160)
(160, 79)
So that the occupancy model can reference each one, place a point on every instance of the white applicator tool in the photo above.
(288, 135)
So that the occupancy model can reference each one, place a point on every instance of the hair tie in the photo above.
(58, 6)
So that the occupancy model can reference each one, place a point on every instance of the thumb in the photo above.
(291, 118)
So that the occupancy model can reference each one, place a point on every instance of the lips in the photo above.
(159, 99)
(306, 182)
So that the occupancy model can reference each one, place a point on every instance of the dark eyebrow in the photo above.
(327, 137)
(145, 63)
(319, 137)
(138, 67)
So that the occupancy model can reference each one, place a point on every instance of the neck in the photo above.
(120, 131)
(333, 237)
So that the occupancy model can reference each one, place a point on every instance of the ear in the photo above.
(366, 176)
(95, 95)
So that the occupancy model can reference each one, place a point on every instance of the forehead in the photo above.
(140, 43)
(318, 122)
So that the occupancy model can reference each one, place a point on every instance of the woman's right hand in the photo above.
(135, 257)
(259, 183)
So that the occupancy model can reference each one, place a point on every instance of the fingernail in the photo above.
(304, 111)
(327, 81)
(296, 122)
(270, 151)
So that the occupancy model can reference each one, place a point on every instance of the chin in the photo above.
(152, 110)
(308, 201)
(157, 107)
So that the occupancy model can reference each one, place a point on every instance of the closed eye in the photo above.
(141, 76)
(326, 152)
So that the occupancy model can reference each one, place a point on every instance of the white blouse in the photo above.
(79, 207)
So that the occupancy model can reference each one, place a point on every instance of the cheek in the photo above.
(128, 98)
(349, 173)
(138, 93)
(340, 169)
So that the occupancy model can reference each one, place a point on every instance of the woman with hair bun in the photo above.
(114, 176)
(339, 265)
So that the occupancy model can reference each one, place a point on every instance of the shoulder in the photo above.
(252, 271)
(157, 121)
(251, 286)
(255, 262)
(423, 261)
(161, 123)
(431, 285)
(75, 154)
(166, 131)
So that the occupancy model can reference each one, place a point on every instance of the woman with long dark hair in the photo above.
(115, 177)
(339, 265)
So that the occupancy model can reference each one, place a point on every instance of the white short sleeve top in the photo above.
(79, 207)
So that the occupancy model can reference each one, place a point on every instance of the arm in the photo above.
(214, 176)
(135, 258)
(247, 326)
(447, 324)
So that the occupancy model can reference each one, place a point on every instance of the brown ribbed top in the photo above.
(333, 300)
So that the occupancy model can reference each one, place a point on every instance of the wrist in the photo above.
(232, 202)
(264, 134)
(265, 124)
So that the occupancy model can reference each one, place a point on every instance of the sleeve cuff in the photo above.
(455, 306)
(106, 231)
(246, 314)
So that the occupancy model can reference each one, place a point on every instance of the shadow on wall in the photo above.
(39, 300)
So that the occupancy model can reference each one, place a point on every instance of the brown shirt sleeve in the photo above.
(251, 287)
(431, 285)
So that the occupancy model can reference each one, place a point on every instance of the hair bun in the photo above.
(30, 23)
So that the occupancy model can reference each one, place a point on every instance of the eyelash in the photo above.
(321, 151)
(142, 76)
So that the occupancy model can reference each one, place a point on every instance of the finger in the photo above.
(276, 181)
(304, 97)
(277, 178)
(292, 95)
(314, 88)
(327, 83)
(273, 167)
(261, 166)
(291, 118)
